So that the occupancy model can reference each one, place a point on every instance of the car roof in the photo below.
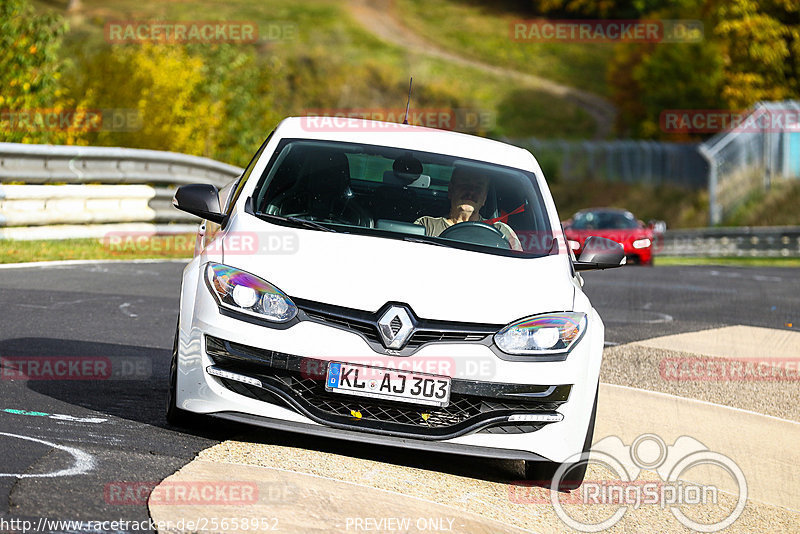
(406, 136)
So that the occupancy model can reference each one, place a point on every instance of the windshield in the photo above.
(604, 220)
(405, 194)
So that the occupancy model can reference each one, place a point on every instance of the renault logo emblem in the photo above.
(395, 327)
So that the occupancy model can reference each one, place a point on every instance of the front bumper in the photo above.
(298, 383)
(377, 439)
(467, 364)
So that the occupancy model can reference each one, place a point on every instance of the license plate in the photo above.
(390, 384)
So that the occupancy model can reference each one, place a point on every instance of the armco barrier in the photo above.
(136, 187)
(769, 241)
(47, 164)
(101, 189)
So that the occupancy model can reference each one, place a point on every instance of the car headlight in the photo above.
(642, 243)
(574, 245)
(550, 333)
(247, 293)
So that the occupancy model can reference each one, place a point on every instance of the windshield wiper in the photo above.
(303, 223)
(425, 240)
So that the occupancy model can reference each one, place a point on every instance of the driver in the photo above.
(467, 193)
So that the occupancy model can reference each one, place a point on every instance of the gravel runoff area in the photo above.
(765, 380)
(514, 505)
(348, 472)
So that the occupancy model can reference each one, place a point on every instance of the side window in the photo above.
(246, 174)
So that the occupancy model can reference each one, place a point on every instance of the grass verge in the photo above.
(181, 246)
(156, 247)
(332, 62)
(482, 30)
(732, 261)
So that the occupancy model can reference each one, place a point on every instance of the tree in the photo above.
(762, 50)
(29, 72)
(751, 52)
(158, 90)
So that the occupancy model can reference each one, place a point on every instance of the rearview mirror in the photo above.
(600, 253)
(199, 199)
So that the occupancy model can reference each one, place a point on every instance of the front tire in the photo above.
(176, 416)
(575, 473)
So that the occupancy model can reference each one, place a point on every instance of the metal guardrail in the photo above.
(136, 188)
(102, 189)
(47, 164)
(770, 241)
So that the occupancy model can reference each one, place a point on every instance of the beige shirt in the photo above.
(436, 225)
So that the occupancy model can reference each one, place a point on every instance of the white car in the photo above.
(391, 284)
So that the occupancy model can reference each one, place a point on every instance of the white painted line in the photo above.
(57, 416)
(706, 403)
(84, 462)
(124, 309)
(66, 263)
(662, 318)
(763, 446)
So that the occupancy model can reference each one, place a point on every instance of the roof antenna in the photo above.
(408, 103)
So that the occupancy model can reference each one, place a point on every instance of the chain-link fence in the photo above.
(762, 148)
(628, 161)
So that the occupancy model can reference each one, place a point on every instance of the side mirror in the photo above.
(600, 253)
(199, 199)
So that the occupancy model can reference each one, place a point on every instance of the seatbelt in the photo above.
(504, 216)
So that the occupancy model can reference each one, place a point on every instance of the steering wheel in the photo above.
(478, 233)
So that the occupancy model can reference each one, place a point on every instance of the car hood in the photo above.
(366, 272)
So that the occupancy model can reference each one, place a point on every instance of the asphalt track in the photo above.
(66, 443)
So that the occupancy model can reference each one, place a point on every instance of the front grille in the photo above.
(365, 324)
(421, 337)
(299, 383)
(366, 329)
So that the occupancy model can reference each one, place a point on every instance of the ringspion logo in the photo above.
(623, 489)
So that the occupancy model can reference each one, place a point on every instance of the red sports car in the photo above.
(615, 224)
